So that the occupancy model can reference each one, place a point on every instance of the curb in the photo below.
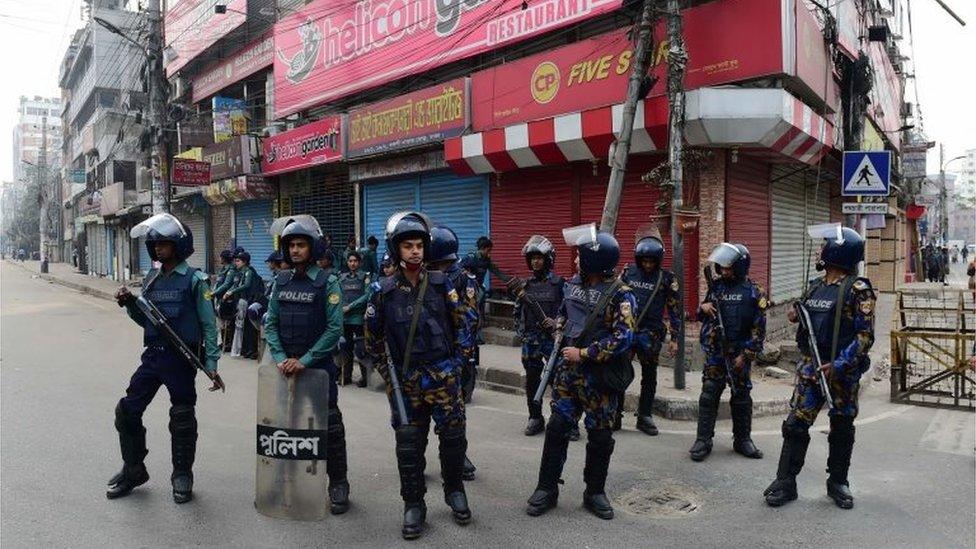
(68, 284)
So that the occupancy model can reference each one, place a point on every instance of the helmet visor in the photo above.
(537, 244)
(725, 254)
(580, 235)
(307, 221)
(163, 224)
(826, 231)
(395, 219)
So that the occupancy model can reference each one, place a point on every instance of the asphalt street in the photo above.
(66, 359)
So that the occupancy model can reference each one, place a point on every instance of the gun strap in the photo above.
(843, 288)
(647, 306)
(595, 313)
(417, 306)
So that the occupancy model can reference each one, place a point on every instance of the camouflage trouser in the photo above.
(715, 370)
(431, 391)
(576, 390)
(808, 399)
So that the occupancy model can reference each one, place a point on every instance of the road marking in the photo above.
(950, 432)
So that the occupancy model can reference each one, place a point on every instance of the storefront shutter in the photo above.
(459, 203)
(747, 213)
(145, 262)
(329, 197)
(796, 203)
(198, 226)
(527, 202)
(381, 199)
(252, 220)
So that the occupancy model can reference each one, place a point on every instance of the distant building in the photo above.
(962, 219)
(36, 116)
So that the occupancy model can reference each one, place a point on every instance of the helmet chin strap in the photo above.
(412, 267)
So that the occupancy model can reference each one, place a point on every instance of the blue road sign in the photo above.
(866, 173)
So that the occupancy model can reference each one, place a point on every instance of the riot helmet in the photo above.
(165, 227)
(387, 260)
(298, 226)
(538, 244)
(243, 256)
(731, 256)
(844, 249)
(649, 247)
(746, 262)
(407, 225)
(227, 256)
(443, 244)
(598, 251)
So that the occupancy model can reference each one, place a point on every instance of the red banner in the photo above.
(325, 52)
(190, 173)
(191, 26)
(426, 116)
(726, 41)
(249, 60)
(316, 143)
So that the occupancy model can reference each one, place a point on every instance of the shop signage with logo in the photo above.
(316, 143)
(237, 189)
(190, 173)
(416, 119)
(230, 158)
(326, 51)
(247, 61)
(400, 165)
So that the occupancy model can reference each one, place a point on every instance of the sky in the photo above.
(35, 33)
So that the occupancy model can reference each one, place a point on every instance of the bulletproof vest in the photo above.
(548, 294)
(353, 286)
(435, 331)
(173, 295)
(302, 304)
(821, 303)
(738, 310)
(642, 285)
(257, 286)
(579, 301)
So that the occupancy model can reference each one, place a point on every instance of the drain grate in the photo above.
(668, 502)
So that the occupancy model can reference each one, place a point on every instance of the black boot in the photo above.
(412, 487)
(469, 469)
(707, 414)
(336, 464)
(183, 428)
(535, 426)
(796, 439)
(574, 432)
(554, 450)
(741, 406)
(452, 449)
(645, 406)
(599, 448)
(132, 442)
(841, 443)
(645, 424)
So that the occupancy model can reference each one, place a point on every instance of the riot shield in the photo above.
(292, 412)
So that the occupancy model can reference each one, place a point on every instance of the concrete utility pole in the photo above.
(42, 193)
(618, 165)
(677, 61)
(943, 194)
(159, 161)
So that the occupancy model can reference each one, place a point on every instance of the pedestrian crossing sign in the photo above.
(866, 173)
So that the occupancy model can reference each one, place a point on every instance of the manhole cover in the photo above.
(667, 502)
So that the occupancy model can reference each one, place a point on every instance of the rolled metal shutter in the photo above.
(98, 239)
(252, 220)
(461, 203)
(526, 202)
(795, 205)
(381, 199)
(198, 226)
(328, 197)
(145, 262)
(747, 213)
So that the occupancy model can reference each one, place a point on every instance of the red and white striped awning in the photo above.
(583, 135)
(776, 121)
(770, 119)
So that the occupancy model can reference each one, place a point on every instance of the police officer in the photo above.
(656, 291)
(355, 285)
(181, 293)
(597, 322)
(302, 330)
(545, 288)
(841, 308)
(742, 304)
(387, 267)
(227, 278)
(370, 263)
(422, 303)
(249, 288)
(443, 257)
(326, 261)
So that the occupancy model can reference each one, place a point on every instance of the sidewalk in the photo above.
(501, 367)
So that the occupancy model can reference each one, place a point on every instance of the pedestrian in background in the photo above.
(355, 285)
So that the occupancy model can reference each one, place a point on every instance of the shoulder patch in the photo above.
(470, 292)
(674, 285)
(334, 299)
(452, 296)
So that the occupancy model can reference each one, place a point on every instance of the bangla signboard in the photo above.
(252, 58)
(191, 26)
(415, 119)
(316, 143)
(324, 51)
(190, 173)
(726, 42)
(229, 158)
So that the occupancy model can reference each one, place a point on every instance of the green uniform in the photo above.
(326, 344)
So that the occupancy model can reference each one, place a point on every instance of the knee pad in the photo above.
(182, 421)
(600, 437)
(335, 418)
(126, 421)
(712, 388)
(453, 438)
(841, 429)
(558, 425)
(794, 428)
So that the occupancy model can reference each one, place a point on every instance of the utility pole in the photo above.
(677, 61)
(159, 161)
(943, 198)
(618, 165)
(42, 196)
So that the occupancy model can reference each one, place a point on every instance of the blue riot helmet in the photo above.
(844, 249)
(538, 244)
(298, 226)
(387, 261)
(165, 227)
(649, 247)
(443, 244)
(730, 256)
(406, 225)
(598, 251)
(742, 267)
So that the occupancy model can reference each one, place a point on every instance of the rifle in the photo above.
(521, 295)
(550, 366)
(803, 315)
(156, 317)
(723, 340)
